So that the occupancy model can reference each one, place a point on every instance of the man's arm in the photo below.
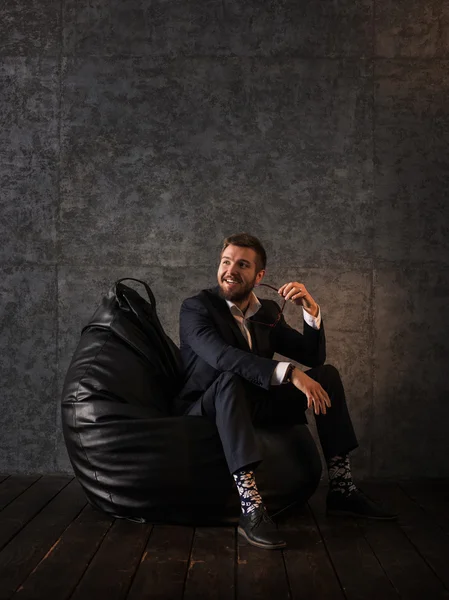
(198, 331)
(308, 348)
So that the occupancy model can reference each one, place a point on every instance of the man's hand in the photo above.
(297, 293)
(316, 395)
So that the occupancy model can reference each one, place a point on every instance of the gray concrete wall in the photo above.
(135, 135)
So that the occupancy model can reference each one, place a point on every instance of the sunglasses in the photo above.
(279, 314)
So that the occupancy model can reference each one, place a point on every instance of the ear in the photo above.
(259, 277)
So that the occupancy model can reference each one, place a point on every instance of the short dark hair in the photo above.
(245, 240)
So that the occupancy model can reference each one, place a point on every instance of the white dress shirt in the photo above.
(253, 306)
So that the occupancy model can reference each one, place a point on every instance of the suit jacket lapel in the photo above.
(253, 331)
(243, 342)
(223, 309)
(260, 334)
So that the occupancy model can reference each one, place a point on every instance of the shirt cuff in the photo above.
(279, 373)
(314, 322)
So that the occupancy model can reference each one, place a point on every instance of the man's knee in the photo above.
(326, 374)
(331, 372)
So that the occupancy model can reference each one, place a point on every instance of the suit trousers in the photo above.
(236, 406)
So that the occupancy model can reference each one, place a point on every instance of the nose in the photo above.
(233, 271)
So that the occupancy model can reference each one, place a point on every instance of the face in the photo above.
(237, 273)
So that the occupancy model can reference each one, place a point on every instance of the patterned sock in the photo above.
(340, 476)
(250, 498)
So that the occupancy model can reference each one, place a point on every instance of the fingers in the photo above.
(325, 401)
(318, 404)
(282, 288)
(297, 296)
(287, 290)
(322, 406)
(320, 401)
(313, 401)
(316, 395)
(292, 290)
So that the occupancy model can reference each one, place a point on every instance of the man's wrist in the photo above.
(314, 322)
(277, 378)
(313, 311)
(288, 374)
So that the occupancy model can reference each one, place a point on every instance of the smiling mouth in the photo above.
(230, 281)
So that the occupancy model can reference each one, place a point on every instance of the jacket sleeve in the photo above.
(198, 330)
(308, 348)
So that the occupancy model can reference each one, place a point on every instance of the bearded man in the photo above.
(228, 339)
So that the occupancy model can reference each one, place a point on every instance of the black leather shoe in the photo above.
(356, 504)
(259, 530)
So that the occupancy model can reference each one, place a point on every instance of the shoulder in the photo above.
(205, 300)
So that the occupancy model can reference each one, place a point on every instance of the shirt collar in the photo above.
(253, 307)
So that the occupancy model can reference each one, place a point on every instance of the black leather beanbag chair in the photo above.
(132, 458)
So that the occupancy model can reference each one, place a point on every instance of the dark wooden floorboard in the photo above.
(60, 548)
(358, 569)
(58, 573)
(410, 575)
(14, 486)
(424, 533)
(113, 567)
(162, 571)
(3, 477)
(310, 571)
(212, 564)
(433, 499)
(14, 516)
(261, 573)
(24, 552)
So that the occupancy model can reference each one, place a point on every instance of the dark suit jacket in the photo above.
(212, 343)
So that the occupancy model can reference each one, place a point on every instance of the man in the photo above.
(228, 338)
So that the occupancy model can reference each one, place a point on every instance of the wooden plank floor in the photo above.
(54, 546)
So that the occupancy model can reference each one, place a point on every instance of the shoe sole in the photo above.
(348, 513)
(259, 544)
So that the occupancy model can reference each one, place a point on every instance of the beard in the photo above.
(241, 293)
